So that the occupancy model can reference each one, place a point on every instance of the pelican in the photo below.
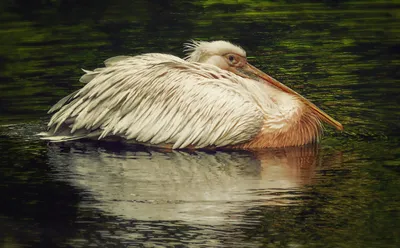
(213, 98)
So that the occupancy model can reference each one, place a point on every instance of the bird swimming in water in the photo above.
(211, 99)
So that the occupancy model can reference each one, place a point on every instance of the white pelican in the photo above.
(212, 98)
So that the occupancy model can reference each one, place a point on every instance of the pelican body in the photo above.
(213, 98)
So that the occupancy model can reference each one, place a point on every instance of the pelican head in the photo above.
(230, 57)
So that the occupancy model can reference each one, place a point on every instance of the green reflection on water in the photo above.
(352, 204)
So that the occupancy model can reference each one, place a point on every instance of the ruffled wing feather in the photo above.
(159, 99)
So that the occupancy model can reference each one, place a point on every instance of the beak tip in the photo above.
(339, 126)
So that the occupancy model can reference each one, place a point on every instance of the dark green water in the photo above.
(343, 55)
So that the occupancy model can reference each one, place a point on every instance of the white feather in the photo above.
(157, 99)
(197, 51)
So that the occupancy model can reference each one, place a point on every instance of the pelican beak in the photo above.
(252, 72)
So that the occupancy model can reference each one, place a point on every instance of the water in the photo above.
(341, 193)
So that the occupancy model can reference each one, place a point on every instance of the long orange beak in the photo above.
(250, 71)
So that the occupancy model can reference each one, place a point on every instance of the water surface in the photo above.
(340, 193)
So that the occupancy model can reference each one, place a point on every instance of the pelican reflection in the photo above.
(199, 187)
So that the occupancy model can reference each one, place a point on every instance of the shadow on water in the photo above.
(36, 211)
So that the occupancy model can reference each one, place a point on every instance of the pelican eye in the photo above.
(232, 59)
